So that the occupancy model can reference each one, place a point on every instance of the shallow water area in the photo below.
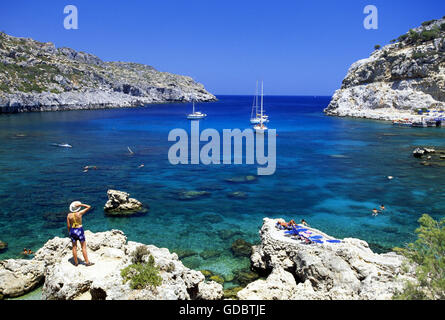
(330, 171)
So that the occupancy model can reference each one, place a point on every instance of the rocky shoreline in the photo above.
(37, 76)
(396, 80)
(291, 271)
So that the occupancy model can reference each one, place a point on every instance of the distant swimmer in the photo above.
(375, 212)
(141, 166)
(382, 207)
(131, 151)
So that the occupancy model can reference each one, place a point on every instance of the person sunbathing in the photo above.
(286, 225)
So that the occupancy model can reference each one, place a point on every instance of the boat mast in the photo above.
(193, 106)
(261, 119)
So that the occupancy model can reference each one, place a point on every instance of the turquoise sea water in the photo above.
(330, 171)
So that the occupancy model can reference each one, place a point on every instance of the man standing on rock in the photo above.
(74, 224)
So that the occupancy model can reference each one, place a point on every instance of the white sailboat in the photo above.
(260, 127)
(256, 119)
(196, 114)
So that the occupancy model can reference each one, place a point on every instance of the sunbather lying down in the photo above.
(281, 224)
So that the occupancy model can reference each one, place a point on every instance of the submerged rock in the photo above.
(192, 195)
(226, 234)
(237, 195)
(241, 248)
(210, 253)
(231, 293)
(241, 179)
(346, 270)
(120, 204)
(3, 246)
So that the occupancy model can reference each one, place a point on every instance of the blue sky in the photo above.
(298, 47)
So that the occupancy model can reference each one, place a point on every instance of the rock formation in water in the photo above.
(36, 76)
(111, 252)
(322, 271)
(406, 75)
(120, 204)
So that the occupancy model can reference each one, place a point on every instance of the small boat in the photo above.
(257, 118)
(196, 114)
(62, 145)
(260, 127)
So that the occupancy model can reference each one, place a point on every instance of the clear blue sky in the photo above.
(298, 47)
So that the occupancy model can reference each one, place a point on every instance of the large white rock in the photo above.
(111, 252)
(279, 285)
(394, 81)
(20, 276)
(346, 270)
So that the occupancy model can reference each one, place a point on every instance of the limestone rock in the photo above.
(111, 252)
(3, 246)
(346, 270)
(279, 285)
(39, 77)
(210, 291)
(395, 80)
(120, 203)
(20, 276)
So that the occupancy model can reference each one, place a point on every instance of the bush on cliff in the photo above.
(428, 253)
(142, 274)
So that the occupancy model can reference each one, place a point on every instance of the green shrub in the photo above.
(418, 55)
(428, 253)
(429, 35)
(442, 27)
(142, 275)
(427, 23)
(139, 253)
(377, 47)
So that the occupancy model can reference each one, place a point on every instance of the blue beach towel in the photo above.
(316, 237)
(317, 241)
(333, 241)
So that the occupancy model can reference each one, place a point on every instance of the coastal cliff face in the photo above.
(327, 271)
(36, 76)
(396, 79)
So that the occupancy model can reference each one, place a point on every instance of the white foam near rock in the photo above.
(346, 270)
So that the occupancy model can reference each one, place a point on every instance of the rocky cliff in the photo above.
(36, 76)
(322, 271)
(405, 75)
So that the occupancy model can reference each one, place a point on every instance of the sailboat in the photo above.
(256, 119)
(196, 114)
(260, 127)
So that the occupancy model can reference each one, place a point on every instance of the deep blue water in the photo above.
(330, 171)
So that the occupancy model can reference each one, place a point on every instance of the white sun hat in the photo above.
(75, 206)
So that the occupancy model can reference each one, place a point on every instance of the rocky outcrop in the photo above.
(36, 76)
(111, 252)
(3, 246)
(397, 79)
(19, 276)
(120, 204)
(346, 270)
